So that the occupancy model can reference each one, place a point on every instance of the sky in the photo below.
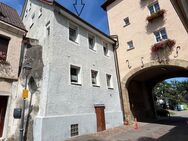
(92, 12)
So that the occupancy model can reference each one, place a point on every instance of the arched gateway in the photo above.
(137, 86)
(153, 46)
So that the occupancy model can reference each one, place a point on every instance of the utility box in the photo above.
(17, 113)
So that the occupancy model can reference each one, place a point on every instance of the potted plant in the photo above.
(161, 50)
(155, 15)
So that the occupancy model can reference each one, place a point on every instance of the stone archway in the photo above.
(138, 83)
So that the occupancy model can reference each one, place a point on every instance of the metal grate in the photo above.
(74, 130)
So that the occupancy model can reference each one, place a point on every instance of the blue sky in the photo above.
(92, 11)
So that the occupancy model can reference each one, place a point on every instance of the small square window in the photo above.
(94, 77)
(75, 74)
(48, 28)
(160, 35)
(30, 6)
(127, 22)
(73, 33)
(105, 49)
(74, 130)
(32, 20)
(91, 41)
(40, 12)
(109, 81)
(153, 8)
(130, 45)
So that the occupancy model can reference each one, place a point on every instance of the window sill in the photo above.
(94, 50)
(77, 84)
(110, 88)
(130, 48)
(126, 24)
(96, 86)
(106, 55)
(73, 41)
(31, 25)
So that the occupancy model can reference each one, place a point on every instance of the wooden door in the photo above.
(101, 125)
(3, 107)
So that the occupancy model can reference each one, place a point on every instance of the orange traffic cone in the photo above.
(135, 125)
(126, 122)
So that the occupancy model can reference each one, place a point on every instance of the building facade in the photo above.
(153, 45)
(79, 87)
(12, 31)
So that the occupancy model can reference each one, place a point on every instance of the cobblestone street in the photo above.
(173, 129)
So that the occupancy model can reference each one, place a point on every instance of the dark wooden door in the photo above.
(3, 107)
(101, 125)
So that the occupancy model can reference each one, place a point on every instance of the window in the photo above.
(130, 45)
(3, 47)
(154, 8)
(91, 41)
(32, 20)
(73, 33)
(75, 75)
(26, 13)
(127, 22)
(74, 130)
(40, 12)
(48, 28)
(94, 77)
(30, 5)
(109, 81)
(105, 49)
(160, 35)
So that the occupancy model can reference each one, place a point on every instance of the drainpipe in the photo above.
(115, 46)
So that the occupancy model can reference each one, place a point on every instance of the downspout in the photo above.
(115, 46)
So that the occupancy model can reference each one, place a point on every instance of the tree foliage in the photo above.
(175, 91)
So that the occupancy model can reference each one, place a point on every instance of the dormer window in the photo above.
(91, 41)
(105, 49)
(73, 33)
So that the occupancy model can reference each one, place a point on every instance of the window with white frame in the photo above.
(26, 12)
(73, 33)
(40, 12)
(91, 41)
(32, 20)
(127, 22)
(74, 130)
(109, 81)
(130, 45)
(160, 35)
(94, 77)
(153, 8)
(30, 5)
(75, 75)
(105, 49)
(48, 28)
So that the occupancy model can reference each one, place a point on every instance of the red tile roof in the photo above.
(10, 16)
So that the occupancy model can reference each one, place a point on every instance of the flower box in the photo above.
(163, 45)
(153, 16)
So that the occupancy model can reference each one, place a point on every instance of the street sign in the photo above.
(25, 94)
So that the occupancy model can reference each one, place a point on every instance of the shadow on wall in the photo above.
(155, 25)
